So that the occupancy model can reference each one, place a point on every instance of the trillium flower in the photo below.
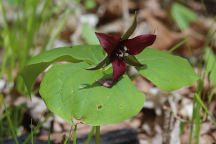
(120, 52)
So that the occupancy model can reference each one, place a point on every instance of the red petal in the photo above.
(119, 68)
(108, 42)
(137, 44)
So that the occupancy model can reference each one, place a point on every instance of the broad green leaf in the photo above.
(90, 54)
(71, 92)
(210, 68)
(166, 71)
(182, 15)
(130, 29)
(88, 34)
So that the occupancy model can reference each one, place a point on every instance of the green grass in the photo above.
(40, 123)
(90, 135)
(31, 29)
(11, 127)
(11, 120)
(199, 108)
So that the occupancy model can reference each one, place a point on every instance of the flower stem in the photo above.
(97, 137)
(74, 135)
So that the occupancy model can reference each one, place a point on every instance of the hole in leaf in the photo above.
(99, 107)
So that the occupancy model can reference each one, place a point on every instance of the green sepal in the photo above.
(131, 29)
(102, 64)
(132, 60)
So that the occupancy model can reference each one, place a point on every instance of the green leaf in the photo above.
(90, 54)
(90, 4)
(88, 34)
(102, 64)
(166, 71)
(132, 60)
(14, 2)
(182, 15)
(130, 29)
(210, 68)
(209, 59)
(72, 93)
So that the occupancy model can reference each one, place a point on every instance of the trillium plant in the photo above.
(120, 52)
(88, 90)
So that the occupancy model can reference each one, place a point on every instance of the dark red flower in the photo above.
(120, 52)
(118, 49)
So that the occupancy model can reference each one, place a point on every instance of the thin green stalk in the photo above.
(74, 135)
(192, 121)
(90, 135)
(207, 41)
(45, 7)
(69, 136)
(206, 109)
(209, 38)
(59, 29)
(7, 41)
(198, 121)
(37, 127)
(211, 95)
(209, 35)
(178, 45)
(6, 28)
(31, 6)
(66, 141)
(196, 109)
(97, 136)
(10, 123)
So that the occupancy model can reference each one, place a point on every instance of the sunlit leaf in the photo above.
(166, 71)
(91, 54)
(71, 92)
(182, 15)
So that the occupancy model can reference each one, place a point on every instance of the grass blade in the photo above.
(59, 29)
(32, 134)
(205, 109)
(10, 123)
(178, 45)
(90, 135)
(37, 127)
